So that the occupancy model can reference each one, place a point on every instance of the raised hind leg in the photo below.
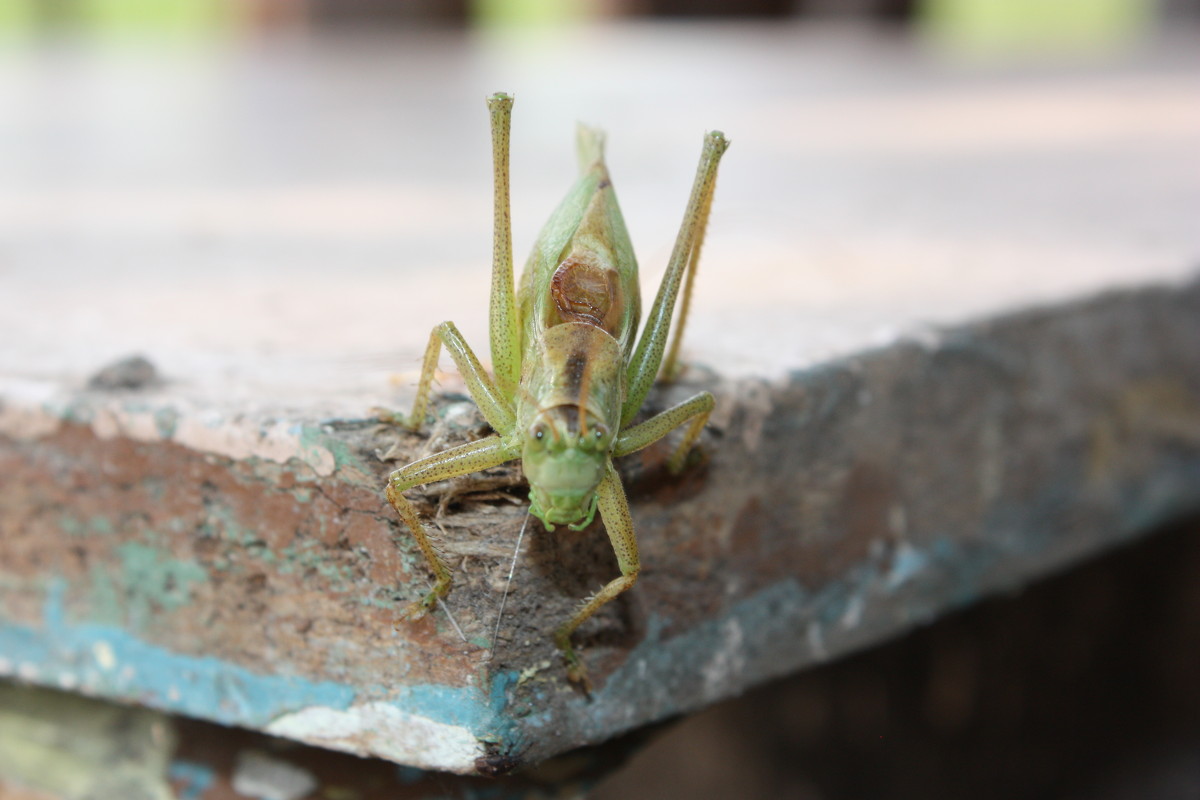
(503, 321)
(647, 358)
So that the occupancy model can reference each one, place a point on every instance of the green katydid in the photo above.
(568, 379)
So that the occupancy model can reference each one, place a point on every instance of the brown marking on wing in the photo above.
(585, 292)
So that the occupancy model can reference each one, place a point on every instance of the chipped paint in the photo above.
(726, 661)
(271, 440)
(25, 411)
(153, 580)
(193, 777)
(205, 687)
(979, 478)
(33, 409)
(383, 730)
(907, 563)
(433, 727)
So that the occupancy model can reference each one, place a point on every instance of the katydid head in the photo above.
(565, 452)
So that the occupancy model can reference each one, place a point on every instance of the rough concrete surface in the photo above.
(827, 511)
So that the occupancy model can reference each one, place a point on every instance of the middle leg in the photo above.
(696, 409)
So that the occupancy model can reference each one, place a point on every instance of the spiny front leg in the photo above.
(461, 460)
(614, 510)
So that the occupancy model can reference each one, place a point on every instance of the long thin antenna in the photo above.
(512, 568)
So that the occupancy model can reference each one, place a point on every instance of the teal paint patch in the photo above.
(153, 580)
(104, 600)
(195, 778)
(101, 525)
(470, 708)
(166, 420)
(71, 526)
(108, 661)
(307, 554)
(93, 526)
(315, 438)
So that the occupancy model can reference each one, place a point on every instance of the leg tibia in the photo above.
(495, 407)
(696, 409)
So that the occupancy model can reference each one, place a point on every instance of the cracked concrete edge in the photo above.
(1120, 370)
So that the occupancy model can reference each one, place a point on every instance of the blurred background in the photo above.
(273, 196)
(1051, 21)
(270, 157)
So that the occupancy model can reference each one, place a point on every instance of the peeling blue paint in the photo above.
(106, 660)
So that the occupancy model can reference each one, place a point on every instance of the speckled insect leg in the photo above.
(696, 409)
(614, 510)
(671, 368)
(462, 460)
(503, 322)
(644, 364)
(495, 407)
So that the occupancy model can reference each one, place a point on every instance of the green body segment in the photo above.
(579, 306)
(586, 229)
(568, 378)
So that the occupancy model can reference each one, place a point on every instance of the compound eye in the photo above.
(598, 435)
(538, 433)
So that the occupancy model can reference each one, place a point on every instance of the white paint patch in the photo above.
(853, 614)
(906, 563)
(30, 410)
(816, 641)
(24, 414)
(258, 775)
(238, 439)
(728, 661)
(384, 731)
(103, 653)
(138, 424)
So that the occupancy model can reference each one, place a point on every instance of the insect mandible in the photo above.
(568, 379)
